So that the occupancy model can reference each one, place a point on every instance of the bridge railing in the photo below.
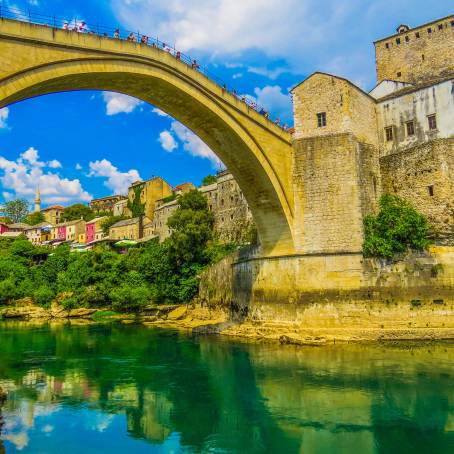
(77, 25)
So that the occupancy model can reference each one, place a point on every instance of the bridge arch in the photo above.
(257, 153)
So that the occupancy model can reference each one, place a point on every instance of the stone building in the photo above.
(106, 204)
(39, 233)
(352, 146)
(225, 199)
(128, 229)
(120, 207)
(150, 192)
(52, 214)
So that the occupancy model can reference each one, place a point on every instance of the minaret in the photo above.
(37, 201)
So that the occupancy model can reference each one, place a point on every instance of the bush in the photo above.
(44, 296)
(397, 228)
(127, 298)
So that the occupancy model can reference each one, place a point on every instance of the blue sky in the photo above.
(80, 145)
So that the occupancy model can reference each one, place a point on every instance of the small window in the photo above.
(398, 40)
(399, 74)
(430, 190)
(423, 57)
(231, 217)
(440, 27)
(321, 119)
(452, 23)
(410, 128)
(387, 45)
(432, 119)
(407, 38)
(429, 30)
(389, 133)
(417, 34)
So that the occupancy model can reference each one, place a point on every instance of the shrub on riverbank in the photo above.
(396, 228)
(154, 273)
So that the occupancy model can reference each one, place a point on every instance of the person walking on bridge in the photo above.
(117, 34)
(195, 65)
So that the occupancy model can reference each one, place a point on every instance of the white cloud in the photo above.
(54, 164)
(159, 112)
(272, 74)
(4, 113)
(118, 103)
(189, 141)
(21, 177)
(117, 181)
(78, 166)
(237, 75)
(272, 99)
(167, 141)
(307, 34)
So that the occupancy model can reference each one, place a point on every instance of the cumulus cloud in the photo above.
(54, 164)
(78, 167)
(192, 144)
(21, 177)
(306, 34)
(119, 103)
(272, 74)
(4, 113)
(116, 180)
(273, 99)
(167, 141)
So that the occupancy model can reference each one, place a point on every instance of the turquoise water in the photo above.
(127, 389)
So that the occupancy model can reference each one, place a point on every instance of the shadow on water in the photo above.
(115, 387)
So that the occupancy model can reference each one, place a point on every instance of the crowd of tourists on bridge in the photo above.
(81, 27)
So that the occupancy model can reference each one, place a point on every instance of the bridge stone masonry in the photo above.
(308, 193)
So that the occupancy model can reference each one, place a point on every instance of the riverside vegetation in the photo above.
(153, 273)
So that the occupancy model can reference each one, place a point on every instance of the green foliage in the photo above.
(169, 198)
(135, 206)
(396, 228)
(109, 222)
(16, 210)
(192, 229)
(77, 211)
(209, 179)
(35, 218)
(6, 220)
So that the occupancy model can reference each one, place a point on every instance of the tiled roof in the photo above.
(125, 222)
(18, 225)
(53, 207)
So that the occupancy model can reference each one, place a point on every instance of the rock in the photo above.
(128, 322)
(177, 313)
(314, 341)
(81, 312)
(25, 312)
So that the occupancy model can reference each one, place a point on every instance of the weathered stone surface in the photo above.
(81, 312)
(25, 312)
(177, 313)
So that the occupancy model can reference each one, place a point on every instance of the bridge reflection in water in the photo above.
(115, 388)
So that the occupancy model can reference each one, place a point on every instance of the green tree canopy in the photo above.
(77, 211)
(16, 210)
(192, 228)
(396, 228)
(209, 179)
(35, 218)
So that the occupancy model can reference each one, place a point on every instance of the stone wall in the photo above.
(423, 176)
(408, 58)
(339, 293)
(336, 183)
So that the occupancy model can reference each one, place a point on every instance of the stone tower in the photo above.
(37, 201)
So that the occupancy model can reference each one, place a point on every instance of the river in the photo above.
(111, 388)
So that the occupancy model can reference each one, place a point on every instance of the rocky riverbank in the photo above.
(201, 320)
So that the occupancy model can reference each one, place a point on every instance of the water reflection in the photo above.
(114, 388)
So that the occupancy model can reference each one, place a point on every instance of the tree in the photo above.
(192, 225)
(77, 211)
(209, 179)
(16, 210)
(35, 218)
(396, 228)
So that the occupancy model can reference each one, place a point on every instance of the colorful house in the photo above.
(93, 229)
(3, 228)
(39, 233)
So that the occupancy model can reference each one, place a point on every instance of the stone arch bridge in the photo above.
(37, 60)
